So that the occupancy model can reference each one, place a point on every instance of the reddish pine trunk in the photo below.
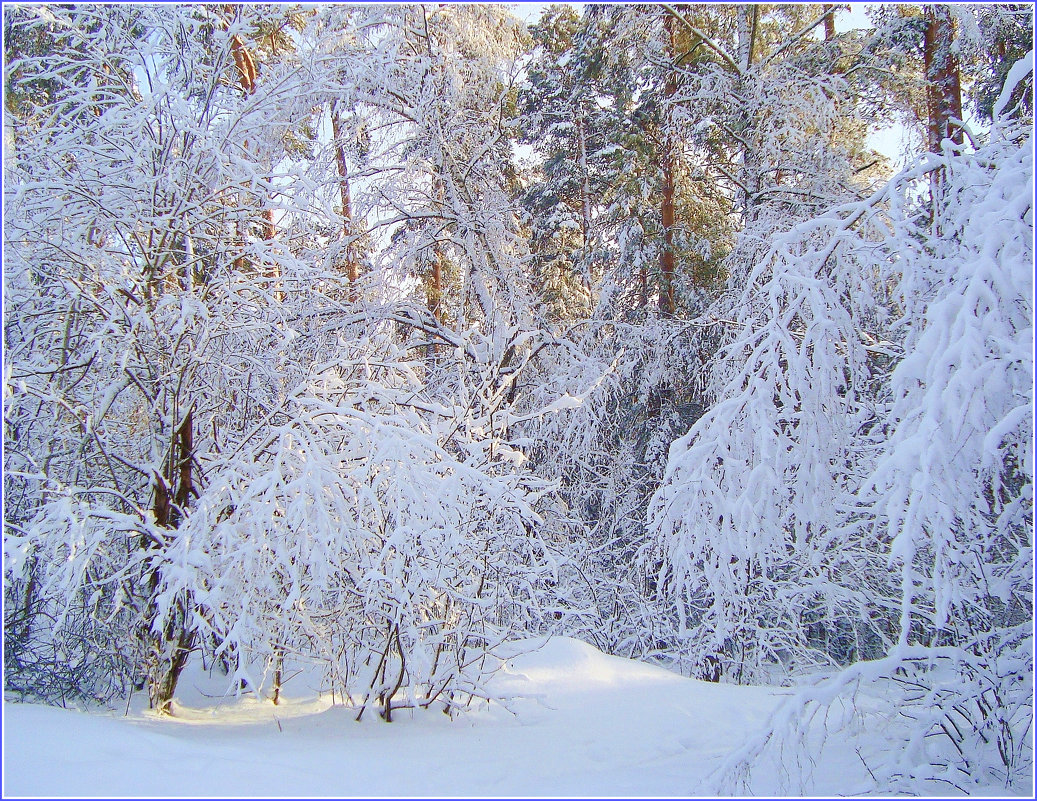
(829, 22)
(245, 65)
(666, 263)
(942, 79)
(434, 289)
(942, 95)
(273, 272)
(246, 68)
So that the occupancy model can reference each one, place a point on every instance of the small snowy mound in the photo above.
(562, 665)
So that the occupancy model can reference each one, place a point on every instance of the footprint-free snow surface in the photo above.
(587, 725)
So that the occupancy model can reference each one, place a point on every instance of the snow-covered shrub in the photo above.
(374, 531)
(953, 483)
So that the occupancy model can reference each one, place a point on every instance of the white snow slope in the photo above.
(590, 725)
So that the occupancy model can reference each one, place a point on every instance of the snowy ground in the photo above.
(598, 726)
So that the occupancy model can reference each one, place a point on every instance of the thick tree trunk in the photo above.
(942, 95)
(244, 63)
(185, 451)
(942, 78)
(170, 649)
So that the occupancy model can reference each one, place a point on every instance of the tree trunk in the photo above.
(942, 79)
(347, 202)
(245, 66)
(185, 448)
(748, 29)
(273, 271)
(751, 171)
(829, 22)
(942, 96)
(246, 69)
(434, 288)
(170, 646)
(585, 203)
(278, 673)
(666, 262)
(169, 652)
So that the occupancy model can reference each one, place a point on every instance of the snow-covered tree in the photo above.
(174, 236)
(142, 316)
(914, 496)
(750, 543)
(569, 121)
(429, 92)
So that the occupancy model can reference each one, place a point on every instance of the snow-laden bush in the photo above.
(953, 484)
(141, 321)
(172, 264)
(374, 531)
